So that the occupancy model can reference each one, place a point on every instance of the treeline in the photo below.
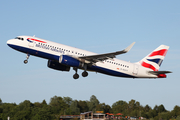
(67, 106)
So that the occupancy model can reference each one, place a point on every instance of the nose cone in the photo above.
(9, 42)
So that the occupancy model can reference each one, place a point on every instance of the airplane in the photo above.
(62, 57)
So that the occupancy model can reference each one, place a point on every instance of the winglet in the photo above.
(129, 47)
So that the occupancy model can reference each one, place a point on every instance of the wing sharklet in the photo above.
(129, 47)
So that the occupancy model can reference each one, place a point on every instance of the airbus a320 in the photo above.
(62, 57)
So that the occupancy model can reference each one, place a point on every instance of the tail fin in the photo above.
(155, 58)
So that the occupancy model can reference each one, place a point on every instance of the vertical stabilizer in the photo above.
(154, 59)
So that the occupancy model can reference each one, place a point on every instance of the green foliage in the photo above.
(74, 108)
(67, 106)
(83, 106)
(93, 103)
(0, 101)
(67, 100)
(120, 107)
(58, 105)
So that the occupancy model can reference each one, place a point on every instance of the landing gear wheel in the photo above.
(25, 61)
(85, 74)
(76, 76)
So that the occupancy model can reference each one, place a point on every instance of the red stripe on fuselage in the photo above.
(36, 40)
(144, 64)
(159, 52)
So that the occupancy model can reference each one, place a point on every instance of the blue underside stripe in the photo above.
(56, 58)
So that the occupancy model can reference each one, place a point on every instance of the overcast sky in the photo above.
(99, 26)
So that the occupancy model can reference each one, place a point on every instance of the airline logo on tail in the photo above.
(155, 59)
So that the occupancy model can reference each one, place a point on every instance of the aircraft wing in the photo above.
(101, 57)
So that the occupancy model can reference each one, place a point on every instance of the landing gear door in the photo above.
(135, 70)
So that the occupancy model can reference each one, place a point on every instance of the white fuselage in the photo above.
(52, 51)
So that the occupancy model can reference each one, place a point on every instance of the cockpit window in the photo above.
(19, 38)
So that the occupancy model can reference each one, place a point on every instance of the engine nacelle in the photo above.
(70, 61)
(57, 66)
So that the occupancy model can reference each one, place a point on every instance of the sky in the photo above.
(101, 26)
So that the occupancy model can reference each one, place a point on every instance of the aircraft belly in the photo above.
(110, 71)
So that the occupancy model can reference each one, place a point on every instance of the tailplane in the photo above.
(154, 60)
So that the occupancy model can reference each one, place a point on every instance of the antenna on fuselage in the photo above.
(33, 35)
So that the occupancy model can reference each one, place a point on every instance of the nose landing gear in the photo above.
(27, 57)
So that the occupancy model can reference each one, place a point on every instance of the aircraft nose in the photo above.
(10, 42)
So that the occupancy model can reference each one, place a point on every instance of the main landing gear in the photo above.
(75, 76)
(27, 57)
(84, 74)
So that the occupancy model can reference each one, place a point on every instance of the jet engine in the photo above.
(70, 61)
(57, 66)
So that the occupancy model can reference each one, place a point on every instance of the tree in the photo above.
(147, 108)
(83, 106)
(24, 110)
(74, 108)
(103, 107)
(161, 108)
(0, 101)
(131, 105)
(93, 103)
(44, 102)
(67, 100)
(119, 107)
(176, 111)
(58, 105)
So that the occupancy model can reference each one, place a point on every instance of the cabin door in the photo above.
(135, 71)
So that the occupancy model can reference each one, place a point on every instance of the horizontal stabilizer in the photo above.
(159, 72)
